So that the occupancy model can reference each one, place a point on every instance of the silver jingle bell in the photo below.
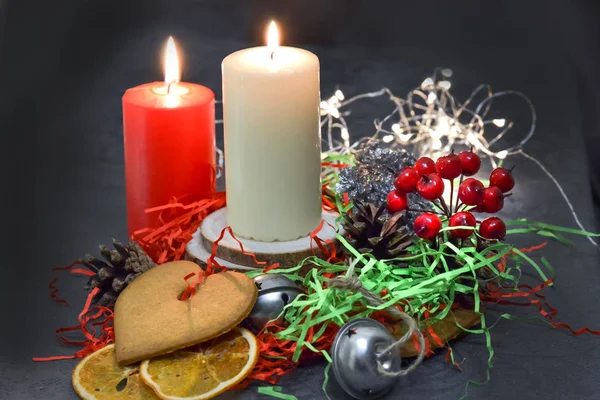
(354, 353)
(274, 293)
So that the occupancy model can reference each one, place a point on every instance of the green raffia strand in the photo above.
(275, 391)
(546, 230)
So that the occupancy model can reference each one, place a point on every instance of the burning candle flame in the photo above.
(272, 38)
(172, 71)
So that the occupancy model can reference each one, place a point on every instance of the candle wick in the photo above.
(272, 56)
(169, 88)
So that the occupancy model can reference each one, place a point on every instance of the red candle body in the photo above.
(169, 142)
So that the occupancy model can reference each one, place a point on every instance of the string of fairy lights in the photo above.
(430, 121)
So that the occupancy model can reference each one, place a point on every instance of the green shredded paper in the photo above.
(425, 282)
(275, 391)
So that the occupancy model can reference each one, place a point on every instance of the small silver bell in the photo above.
(354, 353)
(274, 293)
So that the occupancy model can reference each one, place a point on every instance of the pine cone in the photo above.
(118, 269)
(371, 231)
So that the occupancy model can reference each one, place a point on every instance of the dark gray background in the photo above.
(65, 64)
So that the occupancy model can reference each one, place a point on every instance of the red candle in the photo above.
(169, 140)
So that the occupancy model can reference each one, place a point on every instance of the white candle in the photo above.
(272, 141)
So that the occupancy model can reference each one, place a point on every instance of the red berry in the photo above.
(492, 228)
(463, 218)
(493, 200)
(470, 162)
(430, 186)
(424, 166)
(407, 180)
(396, 201)
(449, 167)
(470, 192)
(427, 226)
(502, 179)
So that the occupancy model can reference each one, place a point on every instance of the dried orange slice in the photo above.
(98, 377)
(205, 370)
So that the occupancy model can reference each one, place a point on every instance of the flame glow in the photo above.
(273, 37)
(172, 71)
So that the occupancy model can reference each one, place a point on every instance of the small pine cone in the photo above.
(116, 259)
(118, 284)
(138, 260)
(105, 252)
(107, 299)
(143, 257)
(92, 262)
(94, 282)
(131, 277)
(120, 248)
(133, 263)
(106, 273)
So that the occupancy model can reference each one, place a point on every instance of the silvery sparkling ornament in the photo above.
(372, 177)
(354, 354)
(274, 293)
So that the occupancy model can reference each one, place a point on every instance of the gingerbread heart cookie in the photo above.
(150, 319)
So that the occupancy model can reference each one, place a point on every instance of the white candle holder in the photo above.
(229, 253)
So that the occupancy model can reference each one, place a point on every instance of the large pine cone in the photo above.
(374, 232)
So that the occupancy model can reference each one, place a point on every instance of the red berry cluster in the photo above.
(426, 178)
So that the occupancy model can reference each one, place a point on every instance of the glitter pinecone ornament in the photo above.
(372, 177)
(371, 231)
(117, 269)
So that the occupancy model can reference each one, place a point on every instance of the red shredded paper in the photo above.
(178, 222)
(93, 338)
(530, 296)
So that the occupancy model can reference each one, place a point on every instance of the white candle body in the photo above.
(272, 143)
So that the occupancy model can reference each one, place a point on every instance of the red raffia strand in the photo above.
(432, 333)
(81, 271)
(327, 204)
(275, 359)
(334, 165)
(191, 289)
(54, 289)
(211, 262)
(89, 319)
(499, 295)
(327, 247)
(213, 266)
(178, 223)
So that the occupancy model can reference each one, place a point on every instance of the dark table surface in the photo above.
(64, 71)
